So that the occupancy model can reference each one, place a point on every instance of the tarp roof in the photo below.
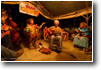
(60, 9)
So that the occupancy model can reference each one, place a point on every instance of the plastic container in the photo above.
(27, 29)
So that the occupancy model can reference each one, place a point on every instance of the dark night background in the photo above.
(21, 18)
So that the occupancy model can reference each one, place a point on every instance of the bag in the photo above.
(45, 50)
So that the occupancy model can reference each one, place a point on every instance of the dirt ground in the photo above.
(35, 55)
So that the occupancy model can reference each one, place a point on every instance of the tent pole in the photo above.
(87, 12)
(84, 16)
(74, 23)
(87, 19)
(90, 16)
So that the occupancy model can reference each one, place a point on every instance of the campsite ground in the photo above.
(35, 55)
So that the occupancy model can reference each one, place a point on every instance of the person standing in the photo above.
(45, 34)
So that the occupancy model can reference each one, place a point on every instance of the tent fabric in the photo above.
(63, 9)
(75, 15)
(60, 9)
(57, 8)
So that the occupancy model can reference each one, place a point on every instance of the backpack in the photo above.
(45, 50)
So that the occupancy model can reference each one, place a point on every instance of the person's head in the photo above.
(36, 24)
(30, 21)
(45, 27)
(56, 23)
(62, 29)
(3, 13)
(82, 24)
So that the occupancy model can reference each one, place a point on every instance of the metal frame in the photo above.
(45, 8)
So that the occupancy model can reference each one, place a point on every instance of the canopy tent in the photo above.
(60, 9)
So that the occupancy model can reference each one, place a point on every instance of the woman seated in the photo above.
(64, 35)
(30, 30)
(81, 40)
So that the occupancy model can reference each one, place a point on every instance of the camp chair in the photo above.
(27, 35)
(28, 42)
(55, 43)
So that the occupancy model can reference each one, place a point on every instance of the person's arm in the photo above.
(24, 29)
(49, 29)
(84, 36)
(60, 30)
(76, 30)
(8, 27)
(42, 25)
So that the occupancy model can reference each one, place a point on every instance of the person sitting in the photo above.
(5, 37)
(64, 35)
(81, 41)
(3, 13)
(45, 34)
(9, 54)
(56, 34)
(31, 31)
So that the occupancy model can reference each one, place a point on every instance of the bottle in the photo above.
(27, 29)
